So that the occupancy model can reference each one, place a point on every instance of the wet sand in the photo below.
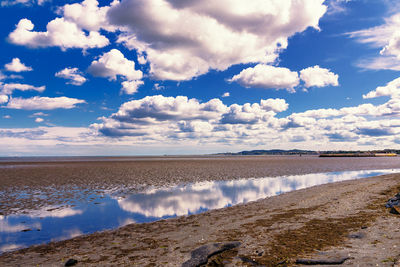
(345, 219)
(56, 181)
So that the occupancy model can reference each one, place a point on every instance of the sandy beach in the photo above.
(339, 221)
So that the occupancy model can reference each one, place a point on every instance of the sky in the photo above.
(163, 77)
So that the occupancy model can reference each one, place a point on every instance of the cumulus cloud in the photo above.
(73, 75)
(39, 120)
(168, 108)
(43, 103)
(391, 89)
(275, 105)
(266, 76)
(226, 94)
(8, 88)
(131, 87)
(184, 39)
(88, 15)
(168, 122)
(173, 116)
(17, 66)
(318, 77)
(245, 114)
(60, 32)
(177, 120)
(113, 64)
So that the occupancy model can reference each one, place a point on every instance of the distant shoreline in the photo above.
(358, 155)
(258, 152)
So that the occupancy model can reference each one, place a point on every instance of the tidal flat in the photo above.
(32, 183)
(257, 207)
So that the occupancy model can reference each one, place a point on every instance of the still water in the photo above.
(109, 211)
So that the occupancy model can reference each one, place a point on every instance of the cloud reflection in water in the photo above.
(193, 198)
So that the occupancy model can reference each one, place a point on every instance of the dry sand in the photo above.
(345, 219)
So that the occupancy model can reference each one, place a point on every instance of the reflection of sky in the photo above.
(56, 223)
(189, 199)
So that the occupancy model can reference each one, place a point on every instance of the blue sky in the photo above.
(145, 77)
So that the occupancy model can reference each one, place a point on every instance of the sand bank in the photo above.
(339, 220)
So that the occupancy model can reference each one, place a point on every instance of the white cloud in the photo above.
(184, 39)
(226, 94)
(22, 2)
(391, 89)
(8, 88)
(41, 114)
(74, 76)
(15, 76)
(60, 32)
(39, 120)
(180, 117)
(43, 103)
(319, 77)
(158, 87)
(169, 108)
(276, 105)
(131, 87)
(3, 99)
(6, 117)
(245, 114)
(393, 47)
(17, 66)
(379, 63)
(266, 76)
(336, 6)
(15, 2)
(387, 38)
(158, 124)
(88, 15)
(113, 64)
(42, 2)
(170, 120)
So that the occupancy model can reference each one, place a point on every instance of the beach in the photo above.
(340, 221)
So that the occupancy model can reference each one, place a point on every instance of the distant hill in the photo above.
(305, 152)
(274, 152)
